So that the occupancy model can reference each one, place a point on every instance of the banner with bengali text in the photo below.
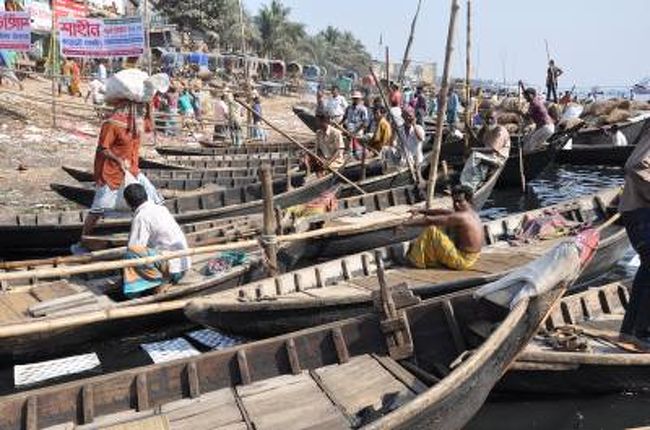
(90, 37)
(15, 31)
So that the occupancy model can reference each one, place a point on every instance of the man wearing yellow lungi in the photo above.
(153, 231)
(451, 239)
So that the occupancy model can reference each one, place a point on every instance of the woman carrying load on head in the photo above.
(118, 147)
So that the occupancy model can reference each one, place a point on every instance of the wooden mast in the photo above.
(440, 120)
(468, 78)
(407, 50)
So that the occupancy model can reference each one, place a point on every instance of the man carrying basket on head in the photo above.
(118, 147)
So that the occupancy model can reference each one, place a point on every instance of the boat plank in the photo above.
(294, 402)
(213, 410)
(19, 303)
(52, 290)
(362, 382)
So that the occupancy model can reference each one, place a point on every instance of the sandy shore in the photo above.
(32, 151)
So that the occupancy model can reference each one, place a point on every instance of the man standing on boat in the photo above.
(452, 239)
(552, 73)
(356, 120)
(337, 105)
(634, 207)
(330, 146)
(495, 141)
(153, 230)
(537, 113)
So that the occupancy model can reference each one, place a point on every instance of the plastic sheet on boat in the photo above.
(213, 339)
(27, 374)
(539, 276)
(168, 350)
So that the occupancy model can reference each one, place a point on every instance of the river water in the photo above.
(501, 412)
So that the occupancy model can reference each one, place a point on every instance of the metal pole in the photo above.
(444, 88)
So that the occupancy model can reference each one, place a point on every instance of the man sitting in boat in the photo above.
(153, 230)
(383, 133)
(494, 152)
(538, 114)
(330, 146)
(452, 239)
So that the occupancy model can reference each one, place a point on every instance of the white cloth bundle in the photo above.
(135, 85)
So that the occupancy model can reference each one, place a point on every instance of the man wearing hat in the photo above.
(356, 116)
(538, 114)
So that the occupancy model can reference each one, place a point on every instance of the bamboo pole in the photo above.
(444, 88)
(269, 239)
(468, 77)
(414, 175)
(53, 61)
(304, 148)
(407, 50)
(105, 266)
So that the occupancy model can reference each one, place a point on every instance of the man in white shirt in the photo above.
(413, 137)
(153, 231)
(336, 106)
(221, 118)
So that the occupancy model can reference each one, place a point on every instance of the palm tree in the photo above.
(278, 35)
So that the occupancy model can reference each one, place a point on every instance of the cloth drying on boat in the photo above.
(225, 261)
(434, 248)
(326, 202)
(140, 279)
(549, 225)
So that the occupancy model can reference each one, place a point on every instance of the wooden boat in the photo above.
(535, 162)
(226, 150)
(343, 287)
(633, 129)
(595, 155)
(187, 180)
(52, 232)
(420, 365)
(307, 117)
(588, 358)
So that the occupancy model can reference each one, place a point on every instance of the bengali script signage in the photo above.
(90, 37)
(41, 15)
(15, 31)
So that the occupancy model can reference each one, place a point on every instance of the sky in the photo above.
(595, 42)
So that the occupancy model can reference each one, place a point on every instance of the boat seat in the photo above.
(64, 304)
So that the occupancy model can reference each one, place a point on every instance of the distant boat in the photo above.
(643, 87)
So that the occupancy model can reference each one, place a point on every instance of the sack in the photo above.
(135, 85)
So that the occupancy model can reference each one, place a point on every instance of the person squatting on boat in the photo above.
(330, 146)
(634, 206)
(538, 114)
(153, 230)
(451, 239)
(495, 141)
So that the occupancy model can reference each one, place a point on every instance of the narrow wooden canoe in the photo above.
(224, 150)
(187, 180)
(344, 375)
(51, 232)
(593, 317)
(343, 287)
(206, 163)
(595, 155)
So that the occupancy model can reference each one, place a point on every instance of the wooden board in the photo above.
(362, 382)
(213, 410)
(290, 402)
(156, 422)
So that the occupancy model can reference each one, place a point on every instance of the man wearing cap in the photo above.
(336, 106)
(537, 113)
(356, 115)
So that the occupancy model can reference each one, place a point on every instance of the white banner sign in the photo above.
(15, 31)
(90, 37)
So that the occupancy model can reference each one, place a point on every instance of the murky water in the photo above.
(501, 412)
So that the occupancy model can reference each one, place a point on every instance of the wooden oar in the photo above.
(304, 148)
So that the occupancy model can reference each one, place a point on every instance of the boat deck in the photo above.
(337, 396)
(354, 277)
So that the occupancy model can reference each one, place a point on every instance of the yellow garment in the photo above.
(433, 248)
(383, 135)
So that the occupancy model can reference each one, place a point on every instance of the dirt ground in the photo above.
(32, 151)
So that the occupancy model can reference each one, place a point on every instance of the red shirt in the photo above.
(396, 98)
(116, 137)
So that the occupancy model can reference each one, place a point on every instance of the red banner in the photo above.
(70, 8)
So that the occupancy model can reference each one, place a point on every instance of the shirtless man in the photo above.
(452, 239)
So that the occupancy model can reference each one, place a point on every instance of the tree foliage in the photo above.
(271, 33)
